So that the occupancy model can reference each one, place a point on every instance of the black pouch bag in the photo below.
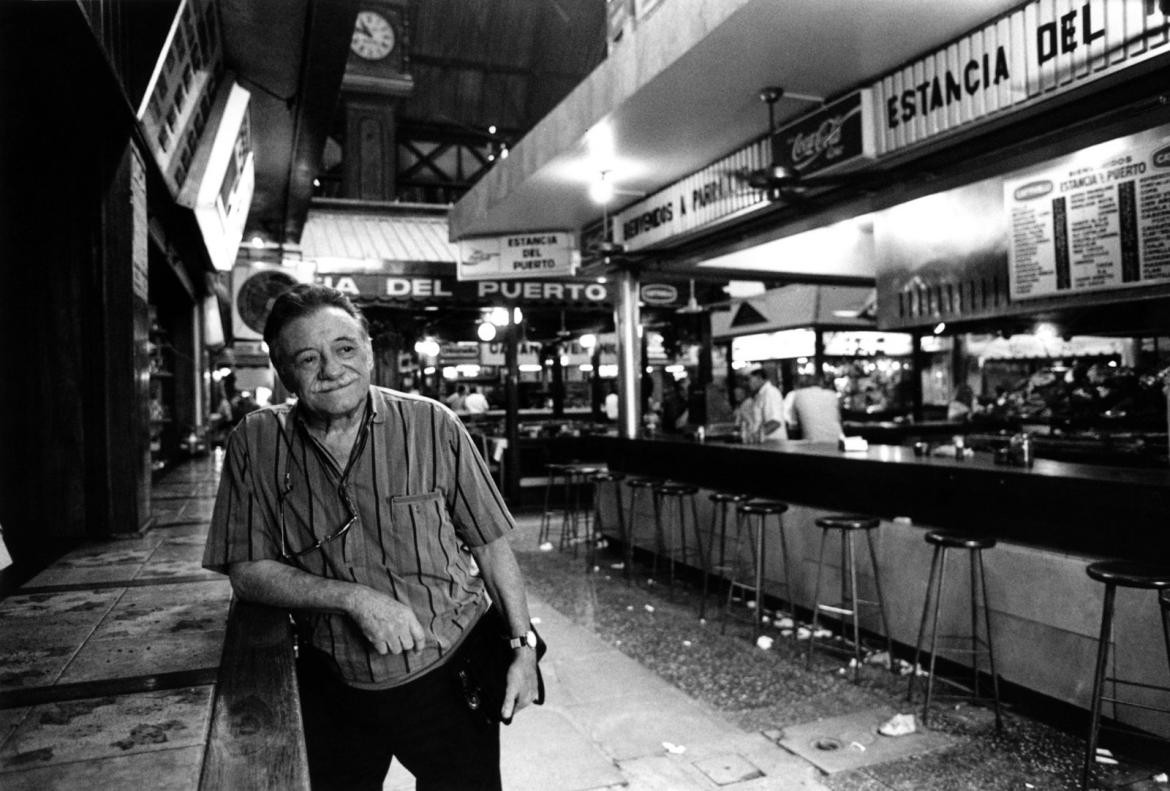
(482, 669)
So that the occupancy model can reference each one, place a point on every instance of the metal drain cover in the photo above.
(724, 770)
(850, 742)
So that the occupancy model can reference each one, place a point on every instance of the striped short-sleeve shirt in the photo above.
(421, 495)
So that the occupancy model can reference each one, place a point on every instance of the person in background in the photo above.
(611, 404)
(475, 403)
(457, 399)
(243, 404)
(747, 422)
(674, 407)
(962, 406)
(814, 409)
(364, 510)
(769, 405)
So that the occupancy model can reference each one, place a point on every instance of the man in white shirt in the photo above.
(769, 406)
(475, 403)
(815, 409)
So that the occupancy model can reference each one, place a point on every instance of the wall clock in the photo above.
(373, 36)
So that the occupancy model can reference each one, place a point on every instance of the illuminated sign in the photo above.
(518, 256)
(436, 288)
(1032, 54)
(709, 196)
(828, 139)
(222, 178)
(177, 104)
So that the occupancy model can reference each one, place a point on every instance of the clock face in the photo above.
(373, 36)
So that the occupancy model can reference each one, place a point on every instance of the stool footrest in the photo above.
(841, 609)
(837, 610)
(1134, 704)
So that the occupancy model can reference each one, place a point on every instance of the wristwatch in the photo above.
(528, 639)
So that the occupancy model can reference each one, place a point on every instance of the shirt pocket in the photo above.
(424, 537)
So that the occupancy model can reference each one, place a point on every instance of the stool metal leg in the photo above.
(1099, 683)
(881, 600)
(978, 557)
(847, 538)
(704, 556)
(1164, 603)
(546, 517)
(659, 538)
(759, 564)
(938, 593)
(566, 509)
(812, 637)
(591, 545)
(787, 568)
(922, 625)
(736, 574)
(626, 535)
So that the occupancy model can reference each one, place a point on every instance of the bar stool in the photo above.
(722, 503)
(1124, 574)
(636, 485)
(755, 514)
(577, 476)
(974, 544)
(555, 475)
(616, 479)
(847, 605)
(672, 498)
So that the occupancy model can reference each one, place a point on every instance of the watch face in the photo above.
(373, 36)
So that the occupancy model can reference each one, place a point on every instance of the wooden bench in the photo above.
(256, 740)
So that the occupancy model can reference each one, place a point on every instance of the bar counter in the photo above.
(1051, 519)
(1101, 511)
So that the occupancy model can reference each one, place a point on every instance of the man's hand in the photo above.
(522, 687)
(389, 625)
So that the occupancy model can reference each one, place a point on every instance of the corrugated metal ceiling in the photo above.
(368, 236)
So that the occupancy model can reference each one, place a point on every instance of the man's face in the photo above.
(755, 383)
(326, 359)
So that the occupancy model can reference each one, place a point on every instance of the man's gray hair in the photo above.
(302, 300)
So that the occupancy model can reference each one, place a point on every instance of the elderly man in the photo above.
(361, 509)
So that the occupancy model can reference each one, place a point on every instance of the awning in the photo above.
(796, 306)
(340, 237)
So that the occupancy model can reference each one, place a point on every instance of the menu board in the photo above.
(1098, 219)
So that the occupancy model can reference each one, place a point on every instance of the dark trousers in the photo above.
(352, 734)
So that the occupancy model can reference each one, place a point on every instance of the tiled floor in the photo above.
(107, 657)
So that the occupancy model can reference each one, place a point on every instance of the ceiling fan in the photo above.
(780, 181)
(692, 305)
(563, 333)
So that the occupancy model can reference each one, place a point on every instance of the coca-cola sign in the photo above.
(835, 135)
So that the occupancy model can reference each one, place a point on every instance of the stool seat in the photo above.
(581, 469)
(609, 477)
(957, 540)
(1131, 574)
(848, 522)
(727, 497)
(643, 483)
(760, 507)
(671, 488)
(555, 467)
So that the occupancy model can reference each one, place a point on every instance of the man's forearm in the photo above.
(504, 582)
(279, 585)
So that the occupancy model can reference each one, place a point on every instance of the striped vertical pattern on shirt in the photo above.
(422, 494)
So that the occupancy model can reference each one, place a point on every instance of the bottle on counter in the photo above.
(1022, 451)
